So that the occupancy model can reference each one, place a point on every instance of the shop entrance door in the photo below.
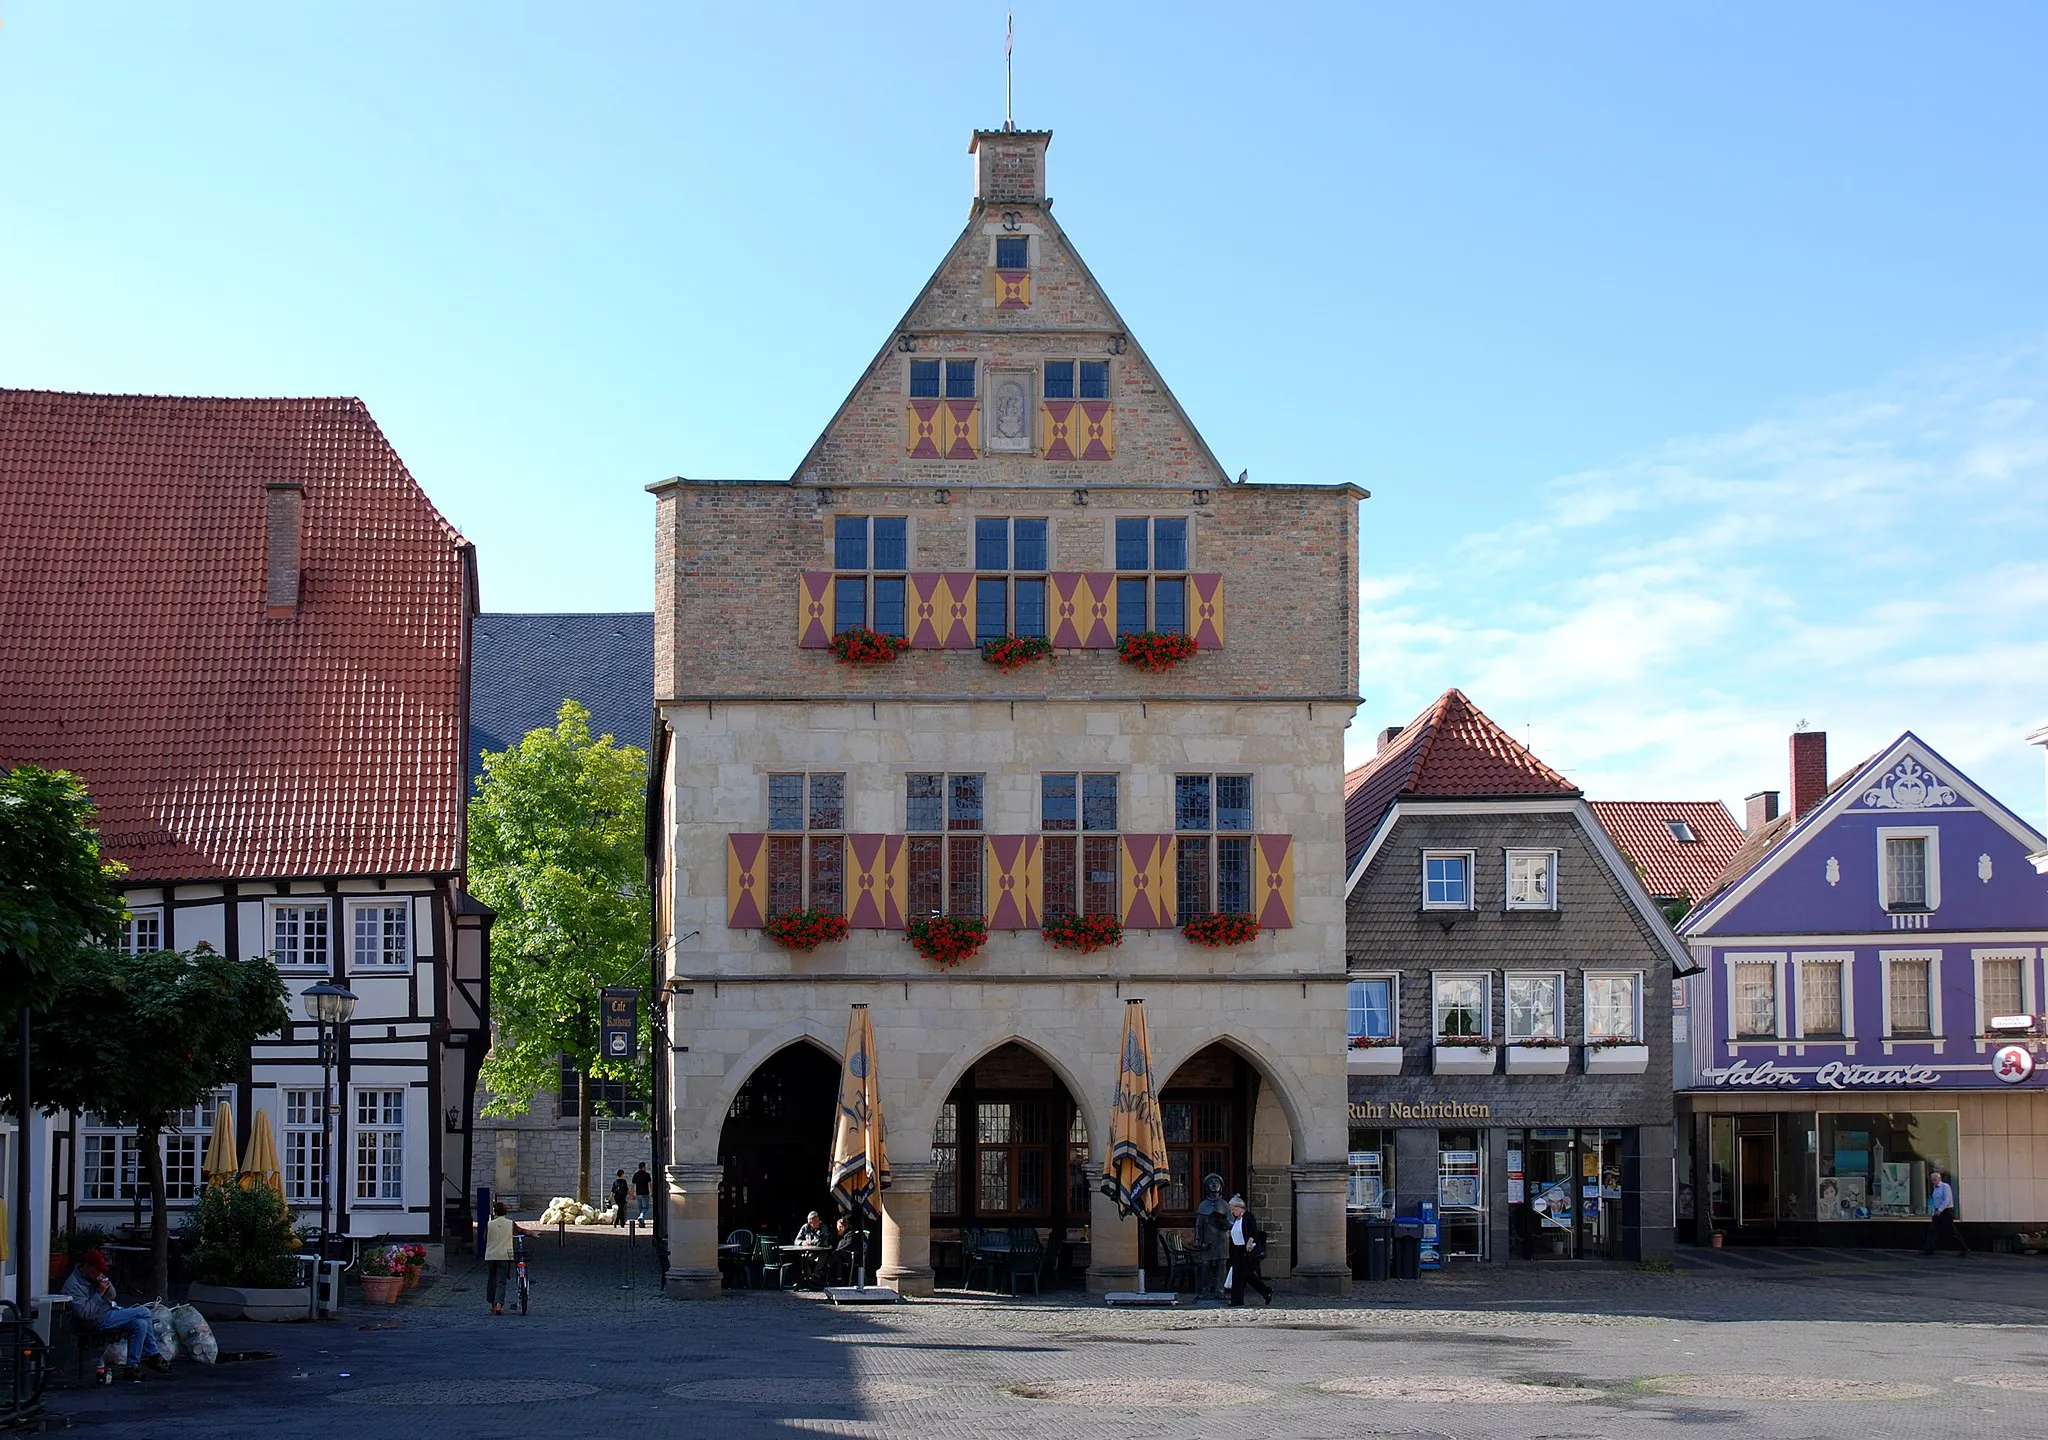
(1550, 1219)
(1756, 1173)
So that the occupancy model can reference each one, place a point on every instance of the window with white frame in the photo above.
(184, 1146)
(143, 931)
(1371, 1008)
(382, 932)
(1909, 995)
(2001, 988)
(108, 1161)
(1447, 879)
(1530, 876)
(1614, 1009)
(1756, 999)
(304, 1147)
(1822, 1010)
(110, 1155)
(1909, 869)
(298, 935)
(1535, 1008)
(380, 1146)
(1460, 1007)
(1212, 821)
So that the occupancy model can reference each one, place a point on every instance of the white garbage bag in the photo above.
(195, 1335)
(166, 1332)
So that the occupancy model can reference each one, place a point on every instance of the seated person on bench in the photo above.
(94, 1309)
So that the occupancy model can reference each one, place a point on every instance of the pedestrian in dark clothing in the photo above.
(622, 1192)
(1941, 1212)
(643, 1189)
(1247, 1250)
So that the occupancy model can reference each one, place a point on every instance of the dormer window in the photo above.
(1682, 832)
(1013, 252)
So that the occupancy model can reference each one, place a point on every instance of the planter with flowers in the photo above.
(1014, 652)
(1616, 1055)
(383, 1278)
(1218, 930)
(861, 646)
(1462, 1055)
(1155, 650)
(805, 930)
(414, 1258)
(1083, 934)
(1373, 1055)
(946, 940)
(1539, 1056)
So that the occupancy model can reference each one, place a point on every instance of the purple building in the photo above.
(1869, 989)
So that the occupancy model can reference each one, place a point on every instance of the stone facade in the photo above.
(741, 701)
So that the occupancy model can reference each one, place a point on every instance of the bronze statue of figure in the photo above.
(1212, 1238)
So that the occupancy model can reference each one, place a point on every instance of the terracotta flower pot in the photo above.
(382, 1289)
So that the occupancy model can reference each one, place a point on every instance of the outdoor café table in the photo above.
(811, 1257)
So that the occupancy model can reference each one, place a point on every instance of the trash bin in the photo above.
(1408, 1250)
(1355, 1244)
(1379, 1250)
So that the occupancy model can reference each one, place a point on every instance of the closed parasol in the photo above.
(260, 1159)
(1135, 1171)
(220, 1153)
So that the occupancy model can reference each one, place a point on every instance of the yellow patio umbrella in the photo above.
(860, 1154)
(260, 1159)
(1135, 1171)
(220, 1154)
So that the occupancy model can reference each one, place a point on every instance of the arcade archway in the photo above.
(775, 1146)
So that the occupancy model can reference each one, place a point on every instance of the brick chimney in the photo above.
(1809, 770)
(1386, 737)
(1009, 165)
(285, 500)
(1762, 810)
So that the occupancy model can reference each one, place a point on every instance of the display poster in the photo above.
(1851, 1204)
(1514, 1189)
(1893, 1197)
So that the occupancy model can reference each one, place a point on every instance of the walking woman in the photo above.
(497, 1256)
(1247, 1249)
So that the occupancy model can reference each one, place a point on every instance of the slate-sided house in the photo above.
(246, 628)
(1855, 957)
(522, 668)
(1510, 1002)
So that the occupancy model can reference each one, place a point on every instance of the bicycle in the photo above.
(519, 1268)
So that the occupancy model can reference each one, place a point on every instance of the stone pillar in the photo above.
(1270, 1194)
(693, 1231)
(1319, 1187)
(907, 1230)
(1112, 1247)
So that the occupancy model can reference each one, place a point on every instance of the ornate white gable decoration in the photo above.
(1911, 786)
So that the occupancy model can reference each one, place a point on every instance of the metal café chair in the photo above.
(1180, 1264)
(735, 1264)
(770, 1261)
(1026, 1254)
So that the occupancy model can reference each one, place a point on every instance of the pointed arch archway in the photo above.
(775, 1140)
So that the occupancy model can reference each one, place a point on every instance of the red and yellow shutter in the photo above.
(961, 436)
(874, 882)
(1100, 633)
(1012, 289)
(941, 610)
(1206, 620)
(1010, 882)
(746, 881)
(1095, 430)
(924, 429)
(1148, 882)
(1060, 423)
(814, 610)
(1273, 881)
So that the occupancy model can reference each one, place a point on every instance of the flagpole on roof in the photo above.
(1009, 43)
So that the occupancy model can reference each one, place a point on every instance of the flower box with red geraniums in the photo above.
(1014, 652)
(804, 930)
(946, 940)
(1156, 650)
(1083, 934)
(867, 647)
(1217, 930)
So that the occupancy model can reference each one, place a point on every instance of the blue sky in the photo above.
(1694, 354)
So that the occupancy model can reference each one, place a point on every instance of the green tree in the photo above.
(555, 849)
(56, 893)
(135, 1039)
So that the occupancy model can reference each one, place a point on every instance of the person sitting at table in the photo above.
(811, 1236)
(94, 1306)
(811, 1232)
(846, 1243)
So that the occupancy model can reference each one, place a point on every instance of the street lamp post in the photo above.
(329, 1006)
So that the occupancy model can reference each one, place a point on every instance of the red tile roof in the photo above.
(1671, 867)
(135, 649)
(1451, 749)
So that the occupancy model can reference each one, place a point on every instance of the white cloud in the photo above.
(1868, 563)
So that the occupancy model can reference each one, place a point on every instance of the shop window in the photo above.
(1447, 880)
(1152, 574)
(1460, 1007)
(806, 843)
(870, 561)
(1461, 1194)
(1370, 1191)
(1756, 999)
(944, 816)
(1614, 1009)
(1370, 1011)
(1529, 879)
(1080, 870)
(1873, 1167)
(1535, 1007)
(1212, 818)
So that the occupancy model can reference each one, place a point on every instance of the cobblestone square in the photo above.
(1806, 1344)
